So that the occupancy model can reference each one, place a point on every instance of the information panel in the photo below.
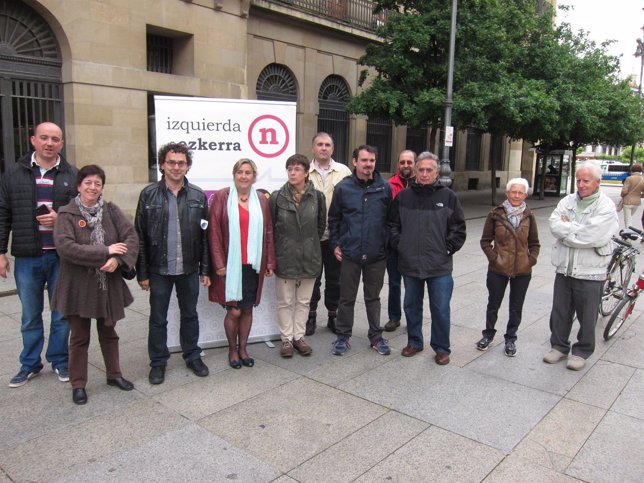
(219, 132)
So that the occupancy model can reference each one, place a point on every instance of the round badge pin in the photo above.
(82, 223)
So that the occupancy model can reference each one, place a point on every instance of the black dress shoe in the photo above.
(157, 375)
(235, 364)
(122, 384)
(331, 323)
(198, 367)
(79, 396)
(248, 361)
(310, 325)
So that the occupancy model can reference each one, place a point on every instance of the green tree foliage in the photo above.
(515, 74)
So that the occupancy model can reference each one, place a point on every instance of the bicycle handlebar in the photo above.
(636, 230)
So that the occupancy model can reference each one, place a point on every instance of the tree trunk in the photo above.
(573, 167)
(542, 180)
(493, 182)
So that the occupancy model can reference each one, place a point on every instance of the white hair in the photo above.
(522, 181)
(591, 165)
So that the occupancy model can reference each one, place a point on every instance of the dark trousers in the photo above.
(496, 285)
(331, 269)
(187, 287)
(572, 295)
(373, 276)
(394, 308)
(81, 329)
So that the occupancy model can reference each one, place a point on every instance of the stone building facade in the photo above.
(94, 65)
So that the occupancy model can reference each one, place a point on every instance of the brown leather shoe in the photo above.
(410, 351)
(441, 358)
(287, 349)
(302, 347)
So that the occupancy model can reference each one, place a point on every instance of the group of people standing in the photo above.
(350, 224)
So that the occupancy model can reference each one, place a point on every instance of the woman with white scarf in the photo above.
(240, 235)
(510, 241)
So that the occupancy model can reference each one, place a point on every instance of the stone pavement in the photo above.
(364, 417)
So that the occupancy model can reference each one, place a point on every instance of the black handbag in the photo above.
(128, 273)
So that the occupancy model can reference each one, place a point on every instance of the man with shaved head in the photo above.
(31, 191)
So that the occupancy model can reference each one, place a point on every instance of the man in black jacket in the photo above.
(31, 191)
(427, 227)
(173, 252)
(358, 235)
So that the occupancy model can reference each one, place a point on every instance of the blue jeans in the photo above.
(393, 304)
(440, 295)
(187, 287)
(31, 274)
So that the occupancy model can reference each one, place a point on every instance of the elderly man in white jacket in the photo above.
(583, 224)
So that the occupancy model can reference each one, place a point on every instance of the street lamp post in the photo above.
(445, 169)
(638, 53)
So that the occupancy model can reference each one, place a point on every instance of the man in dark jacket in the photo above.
(427, 227)
(358, 233)
(31, 191)
(171, 221)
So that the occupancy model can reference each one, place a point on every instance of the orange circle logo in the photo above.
(82, 223)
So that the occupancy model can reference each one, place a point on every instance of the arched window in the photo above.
(276, 83)
(333, 117)
(30, 87)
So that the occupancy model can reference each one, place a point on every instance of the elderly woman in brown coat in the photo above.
(632, 192)
(510, 241)
(93, 239)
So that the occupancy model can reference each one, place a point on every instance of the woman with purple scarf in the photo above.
(511, 243)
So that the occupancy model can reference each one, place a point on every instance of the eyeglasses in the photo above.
(516, 193)
(173, 164)
(295, 169)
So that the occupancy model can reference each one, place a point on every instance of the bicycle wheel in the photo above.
(628, 267)
(612, 289)
(622, 312)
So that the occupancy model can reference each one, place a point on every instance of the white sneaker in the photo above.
(576, 363)
(554, 356)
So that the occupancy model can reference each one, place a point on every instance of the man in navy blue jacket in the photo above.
(358, 233)
(427, 228)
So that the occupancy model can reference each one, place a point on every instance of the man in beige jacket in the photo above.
(325, 173)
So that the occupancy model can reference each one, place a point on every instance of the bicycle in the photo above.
(620, 269)
(624, 308)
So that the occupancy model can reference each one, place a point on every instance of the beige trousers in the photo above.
(293, 297)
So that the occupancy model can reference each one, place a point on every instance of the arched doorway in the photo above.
(333, 117)
(30, 78)
(276, 83)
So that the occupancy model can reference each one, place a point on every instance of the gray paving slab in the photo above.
(527, 368)
(487, 409)
(614, 452)
(288, 425)
(546, 445)
(609, 376)
(204, 458)
(627, 348)
(436, 455)
(360, 451)
(631, 401)
(515, 468)
(50, 407)
(223, 389)
(56, 454)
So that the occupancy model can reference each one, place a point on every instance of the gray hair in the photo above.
(427, 155)
(591, 165)
(522, 181)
